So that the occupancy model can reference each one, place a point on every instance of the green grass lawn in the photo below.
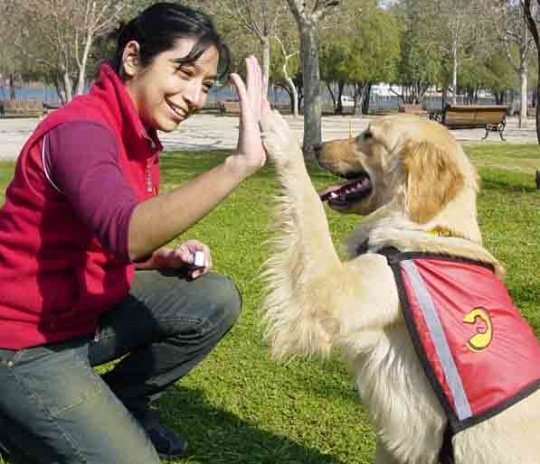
(241, 407)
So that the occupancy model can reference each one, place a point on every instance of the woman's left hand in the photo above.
(182, 257)
(253, 105)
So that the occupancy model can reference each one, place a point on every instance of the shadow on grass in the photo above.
(198, 162)
(506, 184)
(220, 437)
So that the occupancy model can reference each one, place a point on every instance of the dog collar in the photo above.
(440, 232)
(437, 232)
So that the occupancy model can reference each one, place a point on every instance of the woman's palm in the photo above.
(252, 104)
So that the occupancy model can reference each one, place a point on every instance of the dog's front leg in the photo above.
(383, 456)
(304, 270)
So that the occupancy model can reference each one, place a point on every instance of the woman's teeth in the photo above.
(176, 110)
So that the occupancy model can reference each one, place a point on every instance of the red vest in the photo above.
(56, 279)
(478, 352)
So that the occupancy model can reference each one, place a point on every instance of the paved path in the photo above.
(209, 131)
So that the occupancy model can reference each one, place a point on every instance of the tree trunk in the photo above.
(537, 105)
(454, 71)
(524, 92)
(339, 102)
(358, 87)
(530, 15)
(365, 101)
(82, 67)
(294, 93)
(266, 63)
(291, 87)
(12, 93)
(312, 97)
(65, 87)
(444, 98)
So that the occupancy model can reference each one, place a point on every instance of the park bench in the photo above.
(417, 110)
(23, 108)
(229, 107)
(492, 118)
(49, 107)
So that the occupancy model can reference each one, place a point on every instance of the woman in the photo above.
(80, 214)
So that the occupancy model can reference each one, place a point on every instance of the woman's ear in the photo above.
(131, 59)
(433, 179)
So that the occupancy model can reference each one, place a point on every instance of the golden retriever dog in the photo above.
(416, 190)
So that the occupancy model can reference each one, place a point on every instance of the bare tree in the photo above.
(57, 36)
(10, 63)
(307, 15)
(288, 79)
(509, 20)
(93, 20)
(259, 18)
(462, 20)
(531, 9)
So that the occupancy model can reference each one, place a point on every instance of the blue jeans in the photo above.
(55, 409)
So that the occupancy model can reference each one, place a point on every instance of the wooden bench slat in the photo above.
(23, 107)
(407, 108)
(229, 106)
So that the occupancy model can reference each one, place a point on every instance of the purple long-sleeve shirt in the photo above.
(80, 160)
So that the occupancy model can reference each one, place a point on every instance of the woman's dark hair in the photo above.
(158, 27)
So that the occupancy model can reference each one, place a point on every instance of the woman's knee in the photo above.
(221, 300)
(175, 305)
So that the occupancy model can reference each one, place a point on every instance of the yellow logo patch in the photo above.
(484, 329)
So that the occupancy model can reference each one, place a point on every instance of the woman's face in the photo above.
(166, 92)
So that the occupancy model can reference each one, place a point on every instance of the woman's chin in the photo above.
(166, 124)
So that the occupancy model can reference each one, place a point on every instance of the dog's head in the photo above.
(408, 160)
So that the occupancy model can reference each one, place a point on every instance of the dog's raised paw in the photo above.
(278, 139)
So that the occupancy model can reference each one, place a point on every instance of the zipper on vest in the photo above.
(150, 189)
(149, 185)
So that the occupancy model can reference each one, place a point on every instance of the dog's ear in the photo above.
(433, 179)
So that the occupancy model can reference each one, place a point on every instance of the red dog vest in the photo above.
(477, 351)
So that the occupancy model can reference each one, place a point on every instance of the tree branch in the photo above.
(531, 23)
(298, 9)
(323, 7)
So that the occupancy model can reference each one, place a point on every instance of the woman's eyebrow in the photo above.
(179, 61)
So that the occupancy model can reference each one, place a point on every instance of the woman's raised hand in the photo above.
(253, 105)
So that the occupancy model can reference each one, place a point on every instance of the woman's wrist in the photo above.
(238, 166)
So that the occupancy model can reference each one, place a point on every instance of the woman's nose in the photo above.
(194, 95)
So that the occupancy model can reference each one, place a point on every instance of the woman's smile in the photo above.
(179, 112)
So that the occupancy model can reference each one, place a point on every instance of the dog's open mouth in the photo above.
(353, 191)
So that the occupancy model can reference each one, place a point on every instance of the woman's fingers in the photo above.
(240, 89)
(250, 96)
(191, 254)
(256, 87)
(250, 93)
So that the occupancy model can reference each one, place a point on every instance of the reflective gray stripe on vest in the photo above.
(436, 333)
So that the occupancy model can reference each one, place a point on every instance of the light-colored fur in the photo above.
(423, 182)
